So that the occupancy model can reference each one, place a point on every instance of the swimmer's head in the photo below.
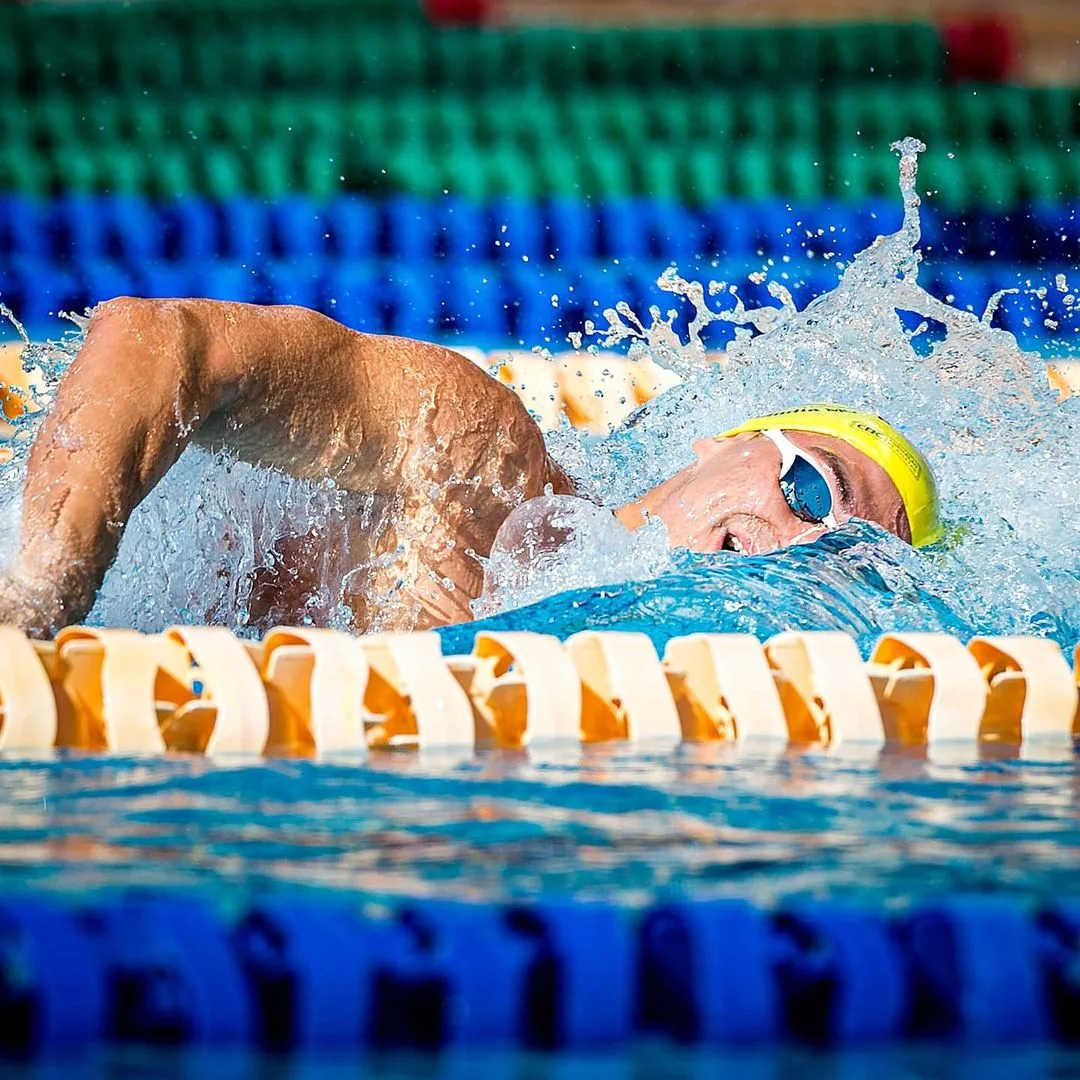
(790, 477)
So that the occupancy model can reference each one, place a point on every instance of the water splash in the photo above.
(961, 388)
(966, 393)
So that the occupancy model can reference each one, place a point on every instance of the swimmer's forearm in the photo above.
(124, 411)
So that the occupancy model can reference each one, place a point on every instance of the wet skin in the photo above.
(446, 452)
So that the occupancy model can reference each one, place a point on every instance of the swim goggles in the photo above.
(803, 482)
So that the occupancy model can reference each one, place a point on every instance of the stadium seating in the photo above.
(448, 181)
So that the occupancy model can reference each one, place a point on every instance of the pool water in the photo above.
(647, 1062)
(614, 822)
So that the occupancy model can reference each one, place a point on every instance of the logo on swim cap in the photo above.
(908, 469)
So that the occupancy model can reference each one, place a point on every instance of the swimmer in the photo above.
(441, 452)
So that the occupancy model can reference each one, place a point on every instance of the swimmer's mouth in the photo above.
(733, 541)
(749, 536)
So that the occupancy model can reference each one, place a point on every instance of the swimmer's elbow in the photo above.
(157, 348)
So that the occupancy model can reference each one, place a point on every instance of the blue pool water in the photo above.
(612, 822)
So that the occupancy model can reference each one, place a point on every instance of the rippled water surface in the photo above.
(617, 823)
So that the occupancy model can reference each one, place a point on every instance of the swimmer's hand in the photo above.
(34, 606)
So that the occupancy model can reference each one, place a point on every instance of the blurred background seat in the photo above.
(447, 177)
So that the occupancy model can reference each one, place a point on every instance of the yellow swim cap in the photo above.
(879, 441)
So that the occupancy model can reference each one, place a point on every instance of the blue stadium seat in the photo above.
(353, 224)
(223, 279)
(78, 228)
(675, 233)
(23, 227)
(127, 228)
(574, 230)
(520, 232)
(353, 294)
(412, 302)
(1059, 228)
(880, 216)
(409, 228)
(837, 224)
(294, 281)
(103, 279)
(163, 279)
(464, 231)
(976, 234)
(623, 231)
(600, 284)
(729, 229)
(299, 227)
(969, 286)
(476, 303)
(36, 291)
(190, 230)
(244, 229)
(776, 232)
(539, 319)
(1025, 317)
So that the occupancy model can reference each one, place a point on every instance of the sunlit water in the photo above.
(620, 822)
(609, 822)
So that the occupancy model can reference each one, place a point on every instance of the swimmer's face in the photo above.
(730, 498)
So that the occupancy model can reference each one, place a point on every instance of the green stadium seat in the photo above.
(664, 115)
(220, 172)
(22, 171)
(1069, 165)
(122, 169)
(319, 170)
(58, 121)
(1039, 175)
(750, 168)
(800, 114)
(704, 175)
(517, 175)
(209, 66)
(149, 64)
(1056, 113)
(272, 170)
(171, 174)
(756, 115)
(658, 174)
(924, 113)
(800, 172)
(1012, 120)
(463, 177)
(858, 170)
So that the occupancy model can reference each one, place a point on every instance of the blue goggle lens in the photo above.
(807, 492)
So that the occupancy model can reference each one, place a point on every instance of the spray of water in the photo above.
(963, 390)
(1002, 446)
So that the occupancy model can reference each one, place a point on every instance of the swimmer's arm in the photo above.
(282, 386)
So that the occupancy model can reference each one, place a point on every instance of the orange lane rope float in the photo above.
(302, 692)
